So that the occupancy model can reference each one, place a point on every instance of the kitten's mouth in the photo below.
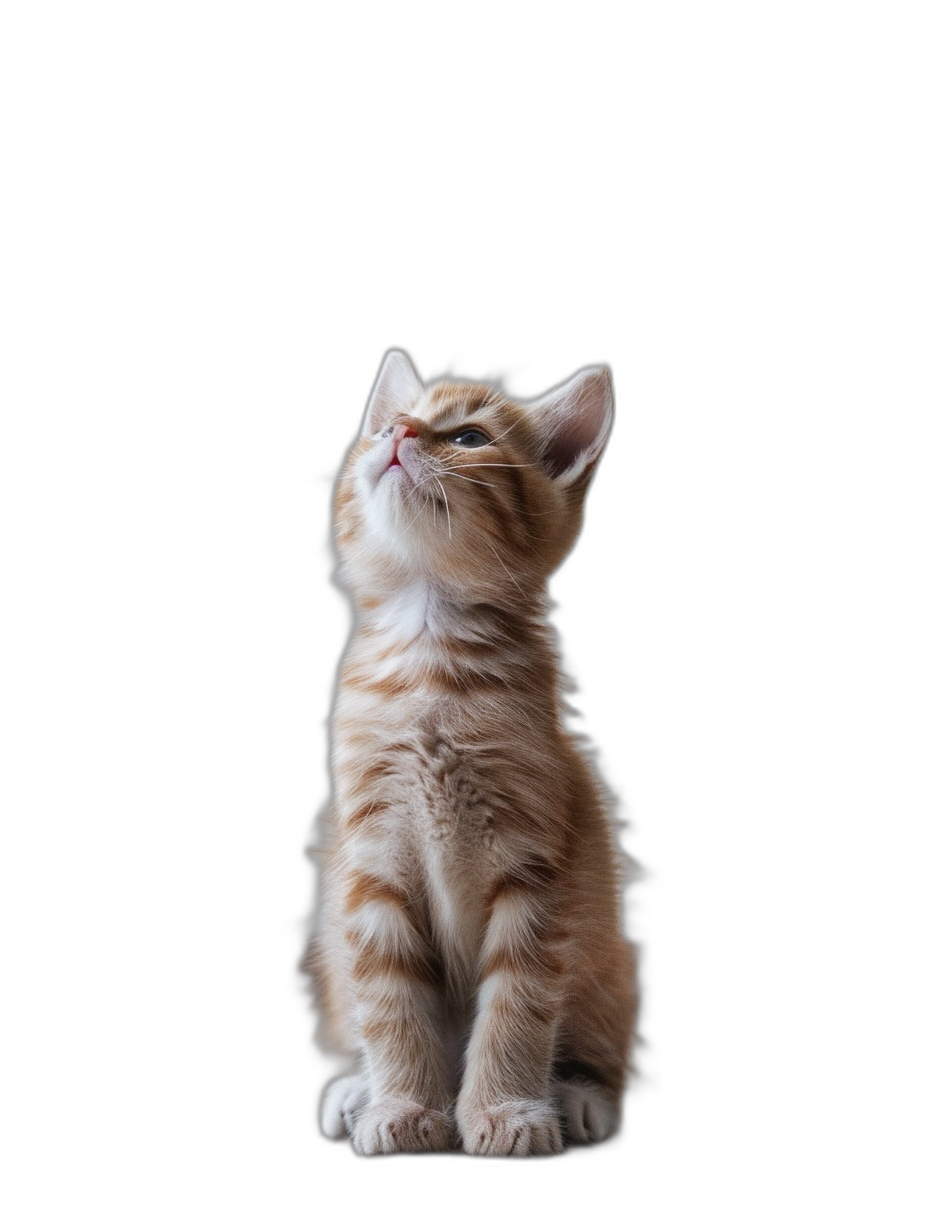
(396, 463)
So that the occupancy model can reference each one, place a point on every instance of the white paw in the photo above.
(342, 1102)
(522, 1127)
(400, 1125)
(590, 1113)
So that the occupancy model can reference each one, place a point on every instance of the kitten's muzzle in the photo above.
(400, 434)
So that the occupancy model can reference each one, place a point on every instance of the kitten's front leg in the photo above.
(505, 1106)
(395, 982)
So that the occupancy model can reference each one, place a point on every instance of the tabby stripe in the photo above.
(365, 812)
(383, 935)
(372, 961)
(544, 963)
(536, 874)
(365, 888)
(370, 776)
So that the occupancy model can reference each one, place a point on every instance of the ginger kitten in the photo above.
(470, 952)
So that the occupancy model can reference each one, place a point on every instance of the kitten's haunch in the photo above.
(470, 952)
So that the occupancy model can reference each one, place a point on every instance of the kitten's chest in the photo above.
(442, 781)
(448, 817)
(416, 808)
(442, 798)
(449, 792)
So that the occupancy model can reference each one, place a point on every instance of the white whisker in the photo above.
(496, 439)
(447, 506)
(417, 517)
(508, 465)
(502, 434)
(455, 475)
(427, 479)
(511, 578)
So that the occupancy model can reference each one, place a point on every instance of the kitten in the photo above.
(469, 950)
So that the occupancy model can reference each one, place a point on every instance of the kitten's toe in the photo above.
(401, 1125)
(341, 1104)
(523, 1127)
(590, 1113)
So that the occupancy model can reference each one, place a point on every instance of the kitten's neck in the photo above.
(422, 637)
(422, 610)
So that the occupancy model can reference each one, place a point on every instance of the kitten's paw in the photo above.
(522, 1127)
(341, 1105)
(590, 1113)
(400, 1125)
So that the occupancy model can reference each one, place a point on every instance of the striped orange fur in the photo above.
(470, 952)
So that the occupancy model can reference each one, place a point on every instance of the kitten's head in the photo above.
(459, 485)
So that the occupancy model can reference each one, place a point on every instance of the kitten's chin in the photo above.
(395, 473)
(393, 500)
(384, 465)
(389, 517)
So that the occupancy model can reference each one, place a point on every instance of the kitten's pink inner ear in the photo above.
(396, 391)
(574, 421)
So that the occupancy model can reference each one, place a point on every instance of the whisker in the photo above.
(508, 465)
(511, 578)
(455, 475)
(427, 479)
(417, 517)
(447, 506)
(495, 439)
(502, 434)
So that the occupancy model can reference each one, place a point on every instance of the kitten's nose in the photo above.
(402, 430)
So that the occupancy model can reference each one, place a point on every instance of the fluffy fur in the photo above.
(470, 952)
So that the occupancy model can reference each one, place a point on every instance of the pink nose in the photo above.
(402, 430)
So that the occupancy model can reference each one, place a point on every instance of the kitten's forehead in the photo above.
(449, 403)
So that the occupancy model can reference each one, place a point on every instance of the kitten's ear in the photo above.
(574, 422)
(395, 391)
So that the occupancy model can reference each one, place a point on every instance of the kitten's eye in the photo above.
(471, 439)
